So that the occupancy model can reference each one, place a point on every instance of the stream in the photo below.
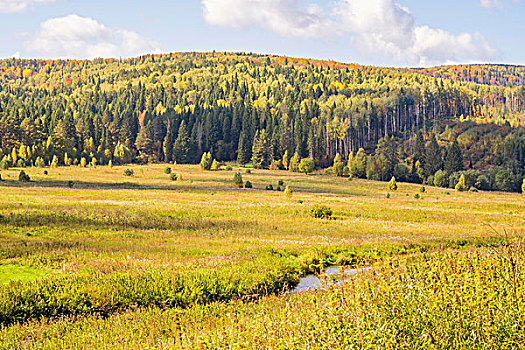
(331, 276)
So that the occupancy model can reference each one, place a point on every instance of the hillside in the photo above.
(175, 107)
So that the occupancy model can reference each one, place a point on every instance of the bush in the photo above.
(269, 187)
(321, 211)
(288, 192)
(417, 196)
(300, 201)
(23, 177)
(388, 195)
(237, 180)
(482, 183)
(248, 171)
(461, 186)
(422, 189)
(401, 172)
(45, 172)
(278, 189)
(167, 170)
(504, 180)
(248, 184)
(128, 172)
(70, 184)
(4, 165)
(281, 183)
(215, 165)
(228, 168)
(173, 177)
(441, 178)
(392, 185)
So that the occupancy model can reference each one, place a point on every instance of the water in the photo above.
(332, 276)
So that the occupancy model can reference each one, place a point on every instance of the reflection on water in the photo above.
(331, 276)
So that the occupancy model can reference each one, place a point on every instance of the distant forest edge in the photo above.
(419, 125)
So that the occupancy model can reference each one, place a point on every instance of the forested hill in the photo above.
(245, 107)
(489, 74)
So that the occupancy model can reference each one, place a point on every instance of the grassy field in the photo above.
(143, 261)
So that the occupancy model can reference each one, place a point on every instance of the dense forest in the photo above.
(429, 126)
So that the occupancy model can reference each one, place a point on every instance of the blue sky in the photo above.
(378, 32)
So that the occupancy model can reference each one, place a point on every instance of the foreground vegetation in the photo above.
(91, 258)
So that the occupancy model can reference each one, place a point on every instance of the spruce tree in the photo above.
(453, 159)
(243, 151)
(261, 151)
(182, 145)
(144, 143)
(433, 161)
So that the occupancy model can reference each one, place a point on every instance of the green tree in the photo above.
(182, 145)
(433, 161)
(261, 151)
(338, 167)
(243, 150)
(453, 158)
(144, 143)
(392, 185)
(359, 164)
(307, 165)
(237, 180)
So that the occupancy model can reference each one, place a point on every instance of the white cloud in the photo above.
(493, 3)
(282, 16)
(80, 37)
(374, 26)
(16, 6)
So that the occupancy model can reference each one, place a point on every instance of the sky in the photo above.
(402, 33)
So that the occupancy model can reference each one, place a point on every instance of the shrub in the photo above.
(237, 180)
(306, 165)
(281, 183)
(206, 161)
(4, 165)
(248, 184)
(167, 170)
(228, 168)
(482, 183)
(23, 177)
(388, 195)
(278, 188)
(248, 171)
(417, 196)
(173, 177)
(392, 185)
(70, 184)
(215, 165)
(401, 172)
(321, 211)
(46, 172)
(504, 180)
(430, 180)
(422, 189)
(288, 192)
(441, 178)
(461, 186)
(83, 162)
(128, 172)
(300, 201)
(269, 187)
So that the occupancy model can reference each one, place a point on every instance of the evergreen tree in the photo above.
(262, 151)
(182, 145)
(144, 143)
(453, 159)
(243, 151)
(433, 161)
(419, 148)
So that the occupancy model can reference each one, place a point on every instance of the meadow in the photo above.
(90, 258)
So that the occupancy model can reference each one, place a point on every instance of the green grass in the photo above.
(16, 273)
(113, 244)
